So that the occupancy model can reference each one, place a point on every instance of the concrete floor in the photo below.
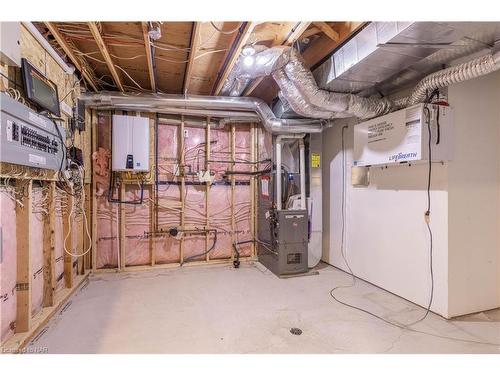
(218, 309)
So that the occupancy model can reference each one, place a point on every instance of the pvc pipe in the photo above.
(46, 45)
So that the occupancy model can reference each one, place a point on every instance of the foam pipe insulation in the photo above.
(165, 103)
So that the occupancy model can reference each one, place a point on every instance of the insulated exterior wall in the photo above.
(141, 249)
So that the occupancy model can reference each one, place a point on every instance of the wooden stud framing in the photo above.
(149, 56)
(94, 120)
(68, 259)
(232, 56)
(253, 159)
(207, 187)
(153, 201)
(69, 52)
(297, 31)
(233, 186)
(105, 54)
(86, 240)
(192, 55)
(49, 243)
(328, 31)
(23, 286)
(79, 226)
(122, 228)
(180, 146)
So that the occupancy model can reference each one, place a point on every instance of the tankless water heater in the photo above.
(130, 147)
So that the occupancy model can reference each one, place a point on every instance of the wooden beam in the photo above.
(49, 244)
(94, 122)
(149, 56)
(294, 35)
(192, 54)
(24, 269)
(123, 258)
(68, 239)
(182, 161)
(207, 187)
(324, 45)
(328, 31)
(70, 53)
(105, 54)
(310, 32)
(232, 56)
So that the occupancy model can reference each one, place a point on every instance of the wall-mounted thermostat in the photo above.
(130, 147)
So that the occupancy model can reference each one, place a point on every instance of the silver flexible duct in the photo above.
(472, 69)
(304, 96)
(202, 105)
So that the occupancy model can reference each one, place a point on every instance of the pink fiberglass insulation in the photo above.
(36, 250)
(220, 151)
(167, 151)
(167, 248)
(242, 213)
(107, 233)
(219, 210)
(242, 152)
(137, 223)
(8, 267)
(194, 150)
(194, 212)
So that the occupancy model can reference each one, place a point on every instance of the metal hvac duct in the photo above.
(208, 105)
(302, 93)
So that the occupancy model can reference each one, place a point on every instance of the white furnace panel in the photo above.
(130, 148)
(403, 136)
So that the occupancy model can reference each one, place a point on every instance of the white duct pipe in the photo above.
(51, 51)
(162, 103)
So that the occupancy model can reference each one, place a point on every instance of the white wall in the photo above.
(386, 240)
(473, 195)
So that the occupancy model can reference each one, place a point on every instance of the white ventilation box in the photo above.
(10, 49)
(130, 147)
(403, 136)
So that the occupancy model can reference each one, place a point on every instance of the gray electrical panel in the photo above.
(282, 234)
(27, 138)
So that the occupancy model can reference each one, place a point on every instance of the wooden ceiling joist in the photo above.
(105, 54)
(232, 56)
(295, 34)
(149, 56)
(328, 31)
(68, 50)
(192, 54)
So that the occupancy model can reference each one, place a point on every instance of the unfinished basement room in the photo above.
(198, 185)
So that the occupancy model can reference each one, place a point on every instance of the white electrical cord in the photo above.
(80, 171)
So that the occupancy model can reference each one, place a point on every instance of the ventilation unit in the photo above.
(403, 136)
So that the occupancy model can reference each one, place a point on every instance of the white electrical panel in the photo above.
(10, 49)
(130, 144)
(403, 136)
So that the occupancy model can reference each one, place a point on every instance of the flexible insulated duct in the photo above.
(302, 93)
(197, 104)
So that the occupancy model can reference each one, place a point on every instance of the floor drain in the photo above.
(296, 331)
